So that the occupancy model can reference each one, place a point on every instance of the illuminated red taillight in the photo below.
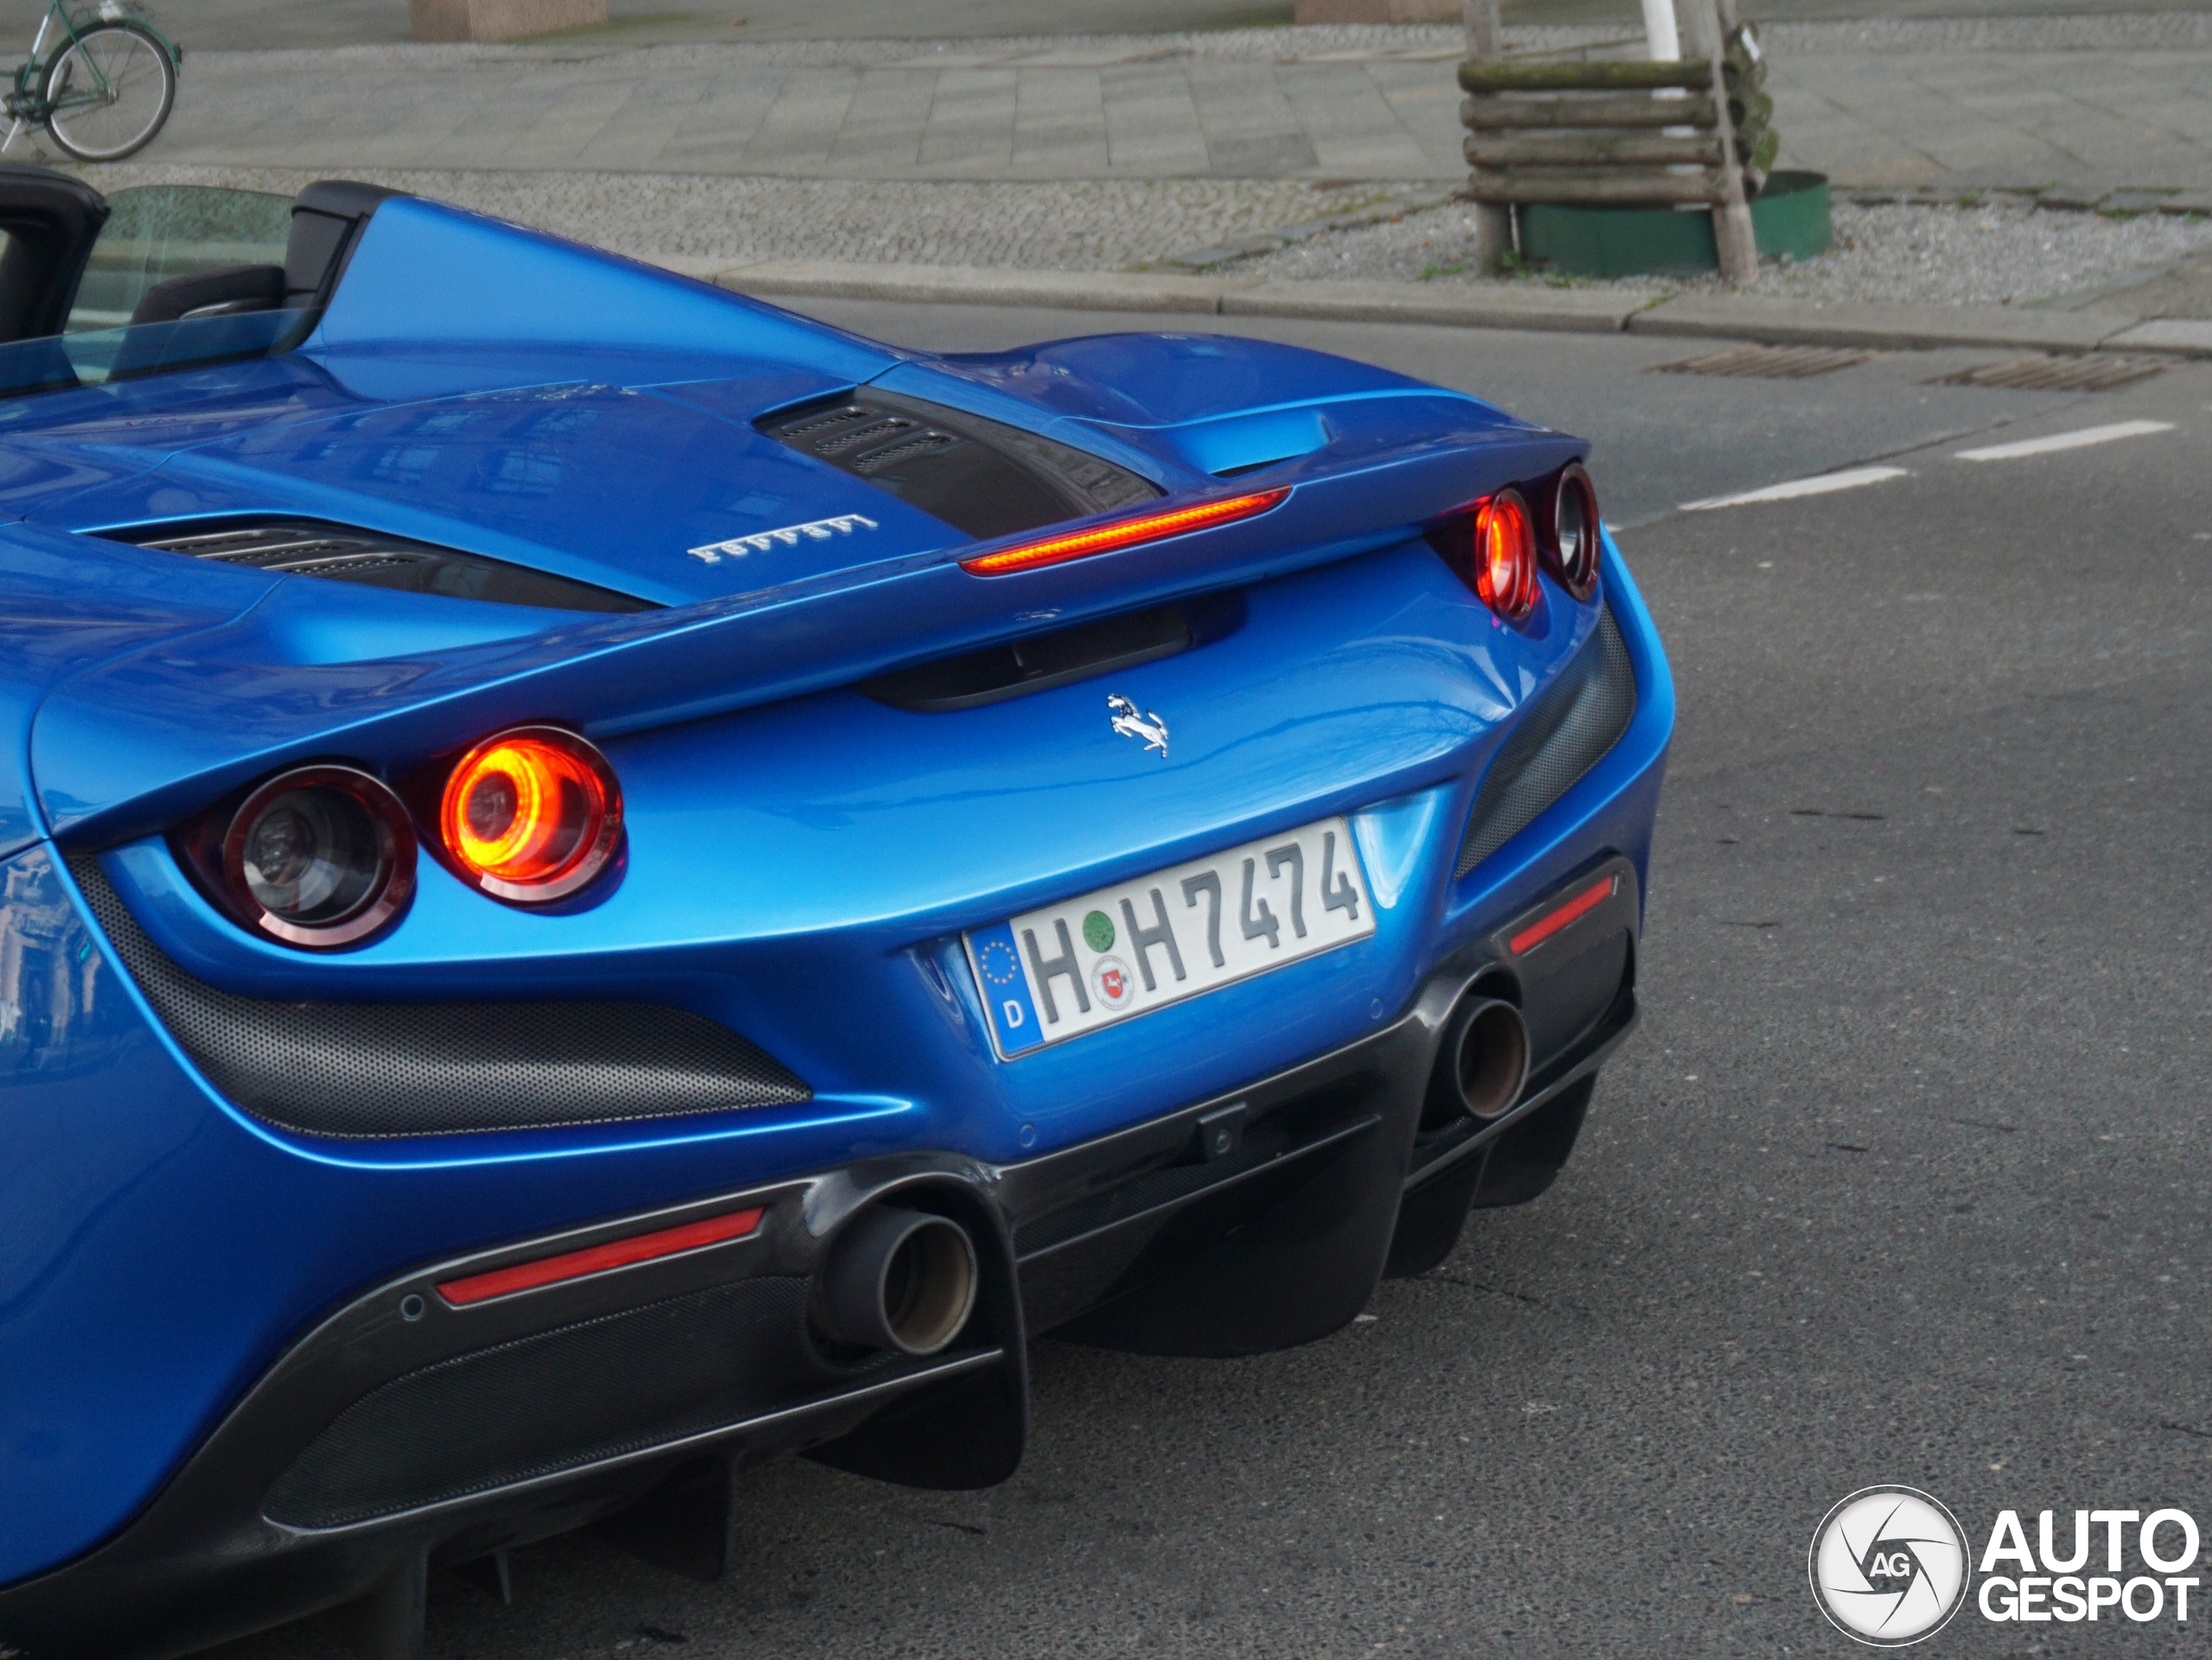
(532, 814)
(1571, 526)
(1505, 556)
(599, 1259)
(1491, 547)
(1121, 533)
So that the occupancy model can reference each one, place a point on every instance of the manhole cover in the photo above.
(2047, 374)
(1767, 362)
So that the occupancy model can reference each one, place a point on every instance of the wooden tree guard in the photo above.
(1553, 132)
(1493, 220)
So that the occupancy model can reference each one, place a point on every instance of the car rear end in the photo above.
(1153, 929)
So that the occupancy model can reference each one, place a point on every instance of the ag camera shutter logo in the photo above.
(1889, 1566)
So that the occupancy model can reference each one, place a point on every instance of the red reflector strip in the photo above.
(597, 1259)
(1580, 906)
(1121, 533)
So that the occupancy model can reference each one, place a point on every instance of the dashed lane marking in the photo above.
(1819, 485)
(2079, 440)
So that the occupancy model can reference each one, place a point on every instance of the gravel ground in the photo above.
(2000, 253)
(1996, 254)
(1093, 225)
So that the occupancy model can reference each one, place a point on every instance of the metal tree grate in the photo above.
(1767, 362)
(2050, 374)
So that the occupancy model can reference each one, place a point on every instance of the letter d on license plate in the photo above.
(1071, 968)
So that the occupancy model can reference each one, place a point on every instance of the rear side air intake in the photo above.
(1580, 717)
(369, 1070)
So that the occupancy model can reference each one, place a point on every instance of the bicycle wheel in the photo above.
(109, 93)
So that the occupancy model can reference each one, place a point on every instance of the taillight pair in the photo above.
(323, 856)
(1496, 545)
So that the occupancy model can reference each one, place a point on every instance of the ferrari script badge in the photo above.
(788, 536)
(1132, 722)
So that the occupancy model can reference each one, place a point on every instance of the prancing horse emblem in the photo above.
(1132, 722)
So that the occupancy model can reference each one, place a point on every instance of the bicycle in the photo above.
(107, 88)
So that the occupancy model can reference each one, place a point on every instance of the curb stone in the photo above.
(1582, 311)
(1778, 322)
(982, 285)
(2178, 334)
(1797, 323)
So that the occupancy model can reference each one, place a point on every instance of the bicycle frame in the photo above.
(27, 102)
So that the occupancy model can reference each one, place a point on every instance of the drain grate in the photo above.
(1767, 362)
(2048, 374)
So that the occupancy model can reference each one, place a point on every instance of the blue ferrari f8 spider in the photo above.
(603, 881)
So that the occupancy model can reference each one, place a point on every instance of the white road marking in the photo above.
(1819, 485)
(2079, 440)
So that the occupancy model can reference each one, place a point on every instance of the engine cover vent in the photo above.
(983, 478)
(341, 554)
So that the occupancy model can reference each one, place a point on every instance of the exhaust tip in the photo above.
(1481, 1064)
(898, 1279)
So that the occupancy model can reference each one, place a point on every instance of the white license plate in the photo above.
(1071, 968)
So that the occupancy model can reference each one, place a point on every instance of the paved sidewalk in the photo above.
(2094, 104)
(255, 25)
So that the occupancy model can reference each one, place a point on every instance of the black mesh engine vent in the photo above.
(339, 553)
(980, 477)
(369, 1070)
(593, 1390)
(1580, 717)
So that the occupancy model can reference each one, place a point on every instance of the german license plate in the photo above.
(1058, 972)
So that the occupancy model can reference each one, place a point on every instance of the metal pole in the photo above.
(1493, 220)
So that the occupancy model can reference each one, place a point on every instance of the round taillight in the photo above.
(532, 814)
(320, 857)
(1505, 556)
(1571, 541)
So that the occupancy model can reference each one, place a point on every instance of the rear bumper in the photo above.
(406, 1429)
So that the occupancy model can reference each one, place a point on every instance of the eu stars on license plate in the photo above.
(1071, 968)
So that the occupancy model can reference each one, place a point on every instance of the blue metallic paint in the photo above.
(801, 859)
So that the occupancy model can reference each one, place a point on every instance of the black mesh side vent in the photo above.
(556, 1400)
(365, 1070)
(1578, 717)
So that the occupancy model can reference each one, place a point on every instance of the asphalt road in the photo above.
(1901, 1180)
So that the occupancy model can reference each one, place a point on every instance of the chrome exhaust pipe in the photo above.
(898, 1279)
(1481, 1064)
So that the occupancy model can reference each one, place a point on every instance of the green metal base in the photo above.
(1790, 217)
